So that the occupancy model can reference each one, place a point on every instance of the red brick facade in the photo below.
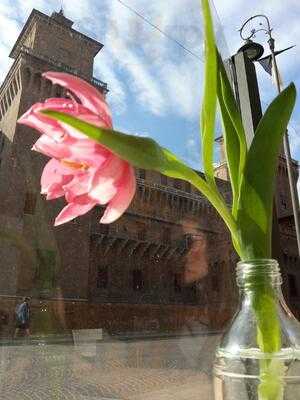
(166, 263)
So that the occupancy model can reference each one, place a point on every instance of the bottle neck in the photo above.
(257, 274)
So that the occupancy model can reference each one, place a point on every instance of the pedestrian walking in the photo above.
(22, 314)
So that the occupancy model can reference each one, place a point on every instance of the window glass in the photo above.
(137, 280)
(92, 309)
(102, 278)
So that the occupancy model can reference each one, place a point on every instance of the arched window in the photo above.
(37, 81)
(293, 289)
(8, 99)
(15, 86)
(137, 280)
(2, 111)
(164, 180)
(142, 173)
(177, 283)
(11, 92)
(102, 277)
(47, 88)
(1, 143)
(27, 76)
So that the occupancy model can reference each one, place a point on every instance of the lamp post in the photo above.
(254, 51)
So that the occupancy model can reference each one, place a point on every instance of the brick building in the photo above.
(167, 263)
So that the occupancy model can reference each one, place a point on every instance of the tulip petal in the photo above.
(54, 192)
(48, 146)
(122, 199)
(104, 186)
(84, 151)
(35, 119)
(43, 124)
(81, 184)
(68, 106)
(89, 96)
(73, 210)
(81, 169)
(54, 176)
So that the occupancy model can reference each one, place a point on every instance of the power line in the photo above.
(160, 30)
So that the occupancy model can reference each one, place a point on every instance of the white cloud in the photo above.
(163, 78)
(105, 70)
(183, 86)
(142, 65)
(191, 153)
(294, 138)
(140, 80)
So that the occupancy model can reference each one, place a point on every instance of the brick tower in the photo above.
(166, 263)
(30, 259)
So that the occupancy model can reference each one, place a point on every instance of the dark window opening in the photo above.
(137, 280)
(1, 143)
(187, 187)
(177, 283)
(59, 91)
(45, 272)
(166, 234)
(142, 173)
(215, 283)
(104, 229)
(37, 81)
(164, 180)
(30, 203)
(141, 231)
(292, 285)
(178, 184)
(283, 202)
(102, 277)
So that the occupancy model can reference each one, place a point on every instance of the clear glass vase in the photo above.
(259, 356)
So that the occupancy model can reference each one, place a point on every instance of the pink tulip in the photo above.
(80, 169)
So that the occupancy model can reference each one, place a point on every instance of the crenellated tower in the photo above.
(34, 251)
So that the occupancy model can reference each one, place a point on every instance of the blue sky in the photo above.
(155, 85)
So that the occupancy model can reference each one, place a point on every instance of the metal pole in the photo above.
(287, 152)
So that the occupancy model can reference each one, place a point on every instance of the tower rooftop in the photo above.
(60, 18)
(56, 18)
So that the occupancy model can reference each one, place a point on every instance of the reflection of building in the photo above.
(286, 226)
(167, 262)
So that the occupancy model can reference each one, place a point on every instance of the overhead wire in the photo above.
(171, 38)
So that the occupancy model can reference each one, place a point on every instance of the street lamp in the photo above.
(254, 51)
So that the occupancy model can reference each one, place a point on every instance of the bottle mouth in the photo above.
(258, 272)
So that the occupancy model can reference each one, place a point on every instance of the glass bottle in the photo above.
(246, 365)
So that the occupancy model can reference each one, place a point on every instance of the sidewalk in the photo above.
(158, 369)
(67, 338)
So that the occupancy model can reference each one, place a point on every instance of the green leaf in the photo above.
(146, 153)
(233, 133)
(139, 151)
(208, 112)
(255, 206)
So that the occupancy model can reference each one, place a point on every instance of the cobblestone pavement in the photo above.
(176, 369)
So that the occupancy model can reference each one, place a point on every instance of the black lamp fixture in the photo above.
(253, 50)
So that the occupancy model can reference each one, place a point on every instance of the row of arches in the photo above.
(178, 203)
(282, 170)
(9, 93)
(34, 80)
(289, 260)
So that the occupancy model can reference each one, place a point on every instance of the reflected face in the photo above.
(196, 265)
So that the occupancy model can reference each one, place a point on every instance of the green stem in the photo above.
(215, 198)
(264, 303)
